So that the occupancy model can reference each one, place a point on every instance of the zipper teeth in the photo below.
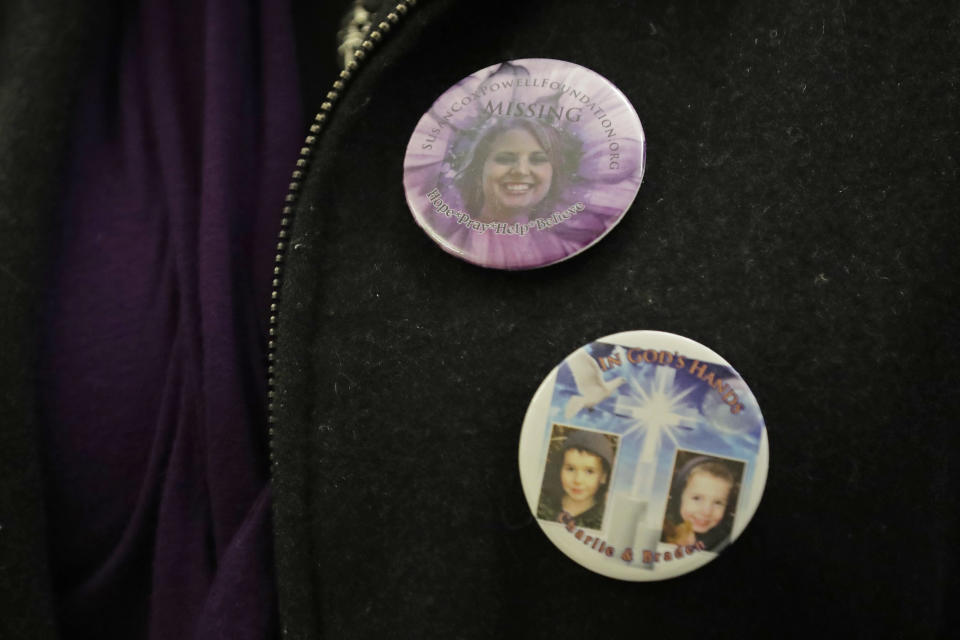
(373, 38)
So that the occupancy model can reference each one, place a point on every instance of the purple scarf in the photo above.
(152, 382)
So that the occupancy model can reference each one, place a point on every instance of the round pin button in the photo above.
(643, 455)
(524, 163)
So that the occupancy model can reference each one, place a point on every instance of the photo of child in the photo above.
(577, 476)
(703, 499)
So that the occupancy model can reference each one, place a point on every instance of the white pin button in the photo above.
(643, 455)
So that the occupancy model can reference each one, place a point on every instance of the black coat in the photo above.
(798, 215)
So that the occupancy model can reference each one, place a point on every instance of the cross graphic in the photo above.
(657, 411)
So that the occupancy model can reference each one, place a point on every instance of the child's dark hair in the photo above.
(714, 468)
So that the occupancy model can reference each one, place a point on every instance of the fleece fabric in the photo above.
(40, 58)
(798, 215)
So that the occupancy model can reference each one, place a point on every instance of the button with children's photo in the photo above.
(643, 455)
(524, 163)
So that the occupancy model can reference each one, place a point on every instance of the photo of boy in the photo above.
(703, 500)
(577, 476)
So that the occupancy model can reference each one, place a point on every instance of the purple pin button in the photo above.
(524, 164)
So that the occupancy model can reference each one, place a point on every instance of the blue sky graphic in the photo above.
(715, 431)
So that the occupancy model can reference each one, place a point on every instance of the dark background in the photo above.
(798, 215)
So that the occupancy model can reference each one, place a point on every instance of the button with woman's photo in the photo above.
(643, 455)
(524, 163)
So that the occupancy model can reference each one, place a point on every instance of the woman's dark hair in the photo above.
(562, 158)
(715, 467)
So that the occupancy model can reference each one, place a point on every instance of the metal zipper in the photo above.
(373, 37)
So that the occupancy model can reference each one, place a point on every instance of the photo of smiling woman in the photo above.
(577, 476)
(516, 171)
(703, 500)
